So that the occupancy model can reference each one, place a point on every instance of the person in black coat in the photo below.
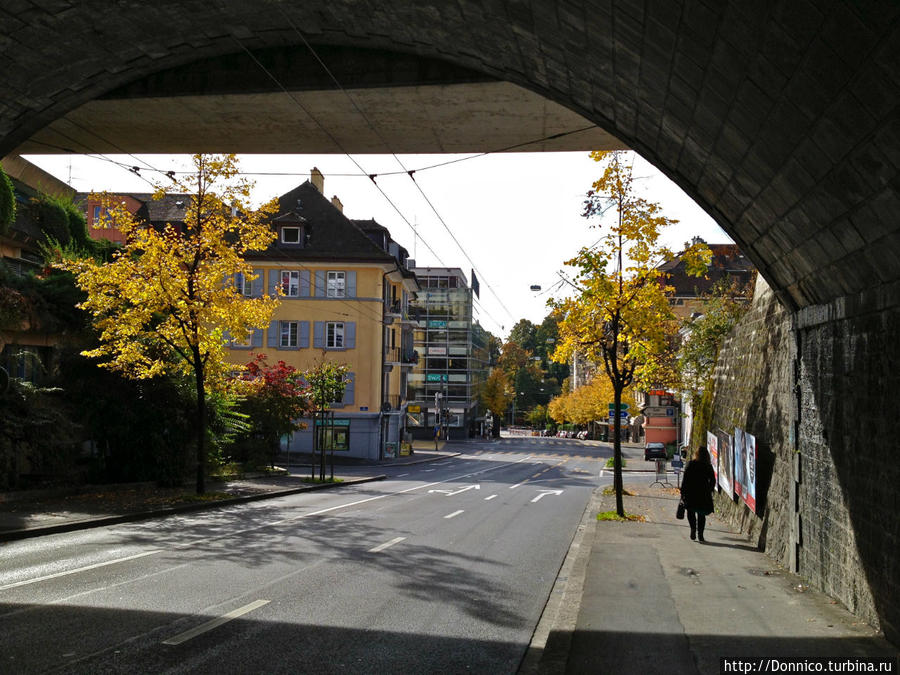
(696, 491)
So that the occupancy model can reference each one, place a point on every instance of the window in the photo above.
(289, 332)
(101, 217)
(336, 285)
(290, 283)
(334, 335)
(290, 235)
(244, 285)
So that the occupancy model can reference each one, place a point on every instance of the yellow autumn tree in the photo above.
(164, 304)
(495, 394)
(620, 314)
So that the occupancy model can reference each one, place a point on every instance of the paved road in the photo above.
(444, 566)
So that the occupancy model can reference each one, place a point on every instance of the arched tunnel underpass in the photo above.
(779, 118)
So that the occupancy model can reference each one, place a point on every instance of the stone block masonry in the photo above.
(813, 387)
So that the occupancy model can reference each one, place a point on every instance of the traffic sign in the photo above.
(622, 406)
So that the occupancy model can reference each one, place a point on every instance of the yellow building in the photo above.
(345, 287)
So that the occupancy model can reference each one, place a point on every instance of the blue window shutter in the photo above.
(319, 334)
(304, 335)
(351, 284)
(350, 335)
(256, 338)
(256, 286)
(226, 336)
(320, 284)
(274, 334)
(238, 282)
(304, 283)
(349, 393)
(274, 280)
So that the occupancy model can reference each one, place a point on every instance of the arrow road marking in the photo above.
(544, 493)
(450, 493)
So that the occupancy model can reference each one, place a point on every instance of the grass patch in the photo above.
(612, 515)
(327, 480)
(611, 490)
(611, 462)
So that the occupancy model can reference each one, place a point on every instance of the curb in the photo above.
(86, 524)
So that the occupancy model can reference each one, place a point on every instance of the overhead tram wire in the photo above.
(397, 159)
(362, 310)
(337, 144)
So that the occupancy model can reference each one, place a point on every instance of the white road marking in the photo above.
(487, 499)
(78, 569)
(454, 514)
(450, 493)
(248, 530)
(513, 487)
(544, 493)
(428, 470)
(400, 475)
(215, 623)
(386, 544)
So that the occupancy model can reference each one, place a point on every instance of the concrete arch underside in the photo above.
(779, 118)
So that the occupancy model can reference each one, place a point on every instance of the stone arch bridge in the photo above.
(779, 117)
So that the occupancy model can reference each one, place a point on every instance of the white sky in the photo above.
(516, 215)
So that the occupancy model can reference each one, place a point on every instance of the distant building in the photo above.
(453, 355)
(167, 209)
(727, 263)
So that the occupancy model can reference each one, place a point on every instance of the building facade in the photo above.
(453, 356)
(345, 288)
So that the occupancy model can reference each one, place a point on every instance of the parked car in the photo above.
(655, 451)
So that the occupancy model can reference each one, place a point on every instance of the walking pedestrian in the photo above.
(696, 491)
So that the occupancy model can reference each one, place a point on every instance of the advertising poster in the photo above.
(745, 466)
(713, 447)
(726, 463)
(750, 470)
(739, 462)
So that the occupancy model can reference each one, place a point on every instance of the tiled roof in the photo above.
(727, 261)
(331, 235)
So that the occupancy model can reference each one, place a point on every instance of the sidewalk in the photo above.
(641, 597)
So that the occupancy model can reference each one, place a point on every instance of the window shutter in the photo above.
(274, 334)
(351, 284)
(226, 336)
(350, 335)
(238, 283)
(304, 283)
(256, 286)
(320, 284)
(256, 338)
(349, 393)
(319, 335)
(274, 280)
(303, 341)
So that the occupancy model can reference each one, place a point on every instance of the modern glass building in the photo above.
(453, 356)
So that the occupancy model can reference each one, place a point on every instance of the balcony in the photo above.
(397, 356)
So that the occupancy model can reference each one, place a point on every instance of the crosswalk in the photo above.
(544, 454)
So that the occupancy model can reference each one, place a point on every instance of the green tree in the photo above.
(620, 315)
(326, 381)
(7, 202)
(161, 305)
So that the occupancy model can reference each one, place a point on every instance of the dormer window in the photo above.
(291, 235)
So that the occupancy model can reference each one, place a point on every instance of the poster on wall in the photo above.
(745, 467)
(726, 463)
(713, 446)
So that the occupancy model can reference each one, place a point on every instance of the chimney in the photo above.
(337, 203)
(317, 179)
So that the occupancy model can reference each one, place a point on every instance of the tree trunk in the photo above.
(617, 451)
(200, 423)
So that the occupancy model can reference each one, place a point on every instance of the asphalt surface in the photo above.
(484, 558)
(442, 566)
